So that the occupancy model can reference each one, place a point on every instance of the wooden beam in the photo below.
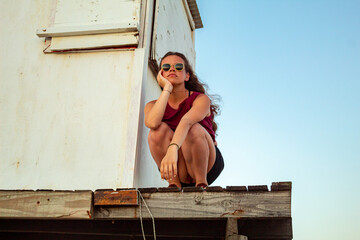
(266, 228)
(46, 204)
(206, 205)
(111, 229)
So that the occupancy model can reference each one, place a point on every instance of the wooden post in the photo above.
(232, 230)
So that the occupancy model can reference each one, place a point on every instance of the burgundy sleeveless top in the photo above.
(173, 116)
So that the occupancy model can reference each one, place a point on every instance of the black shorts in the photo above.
(214, 171)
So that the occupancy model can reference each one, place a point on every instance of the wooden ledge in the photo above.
(46, 204)
(188, 205)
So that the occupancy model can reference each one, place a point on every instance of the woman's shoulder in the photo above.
(199, 98)
(198, 95)
(151, 102)
(195, 94)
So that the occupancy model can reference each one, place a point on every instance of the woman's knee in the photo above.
(162, 133)
(196, 133)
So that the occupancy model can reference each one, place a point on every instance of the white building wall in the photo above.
(146, 171)
(75, 120)
(172, 32)
(63, 117)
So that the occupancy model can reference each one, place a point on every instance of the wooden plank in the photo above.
(214, 189)
(236, 188)
(281, 186)
(258, 188)
(148, 190)
(193, 189)
(46, 204)
(169, 189)
(206, 205)
(115, 198)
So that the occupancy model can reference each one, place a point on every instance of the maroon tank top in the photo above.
(173, 116)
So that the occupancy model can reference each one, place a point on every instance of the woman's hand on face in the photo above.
(168, 168)
(163, 82)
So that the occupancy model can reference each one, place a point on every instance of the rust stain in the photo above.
(125, 197)
(235, 213)
(17, 164)
(88, 213)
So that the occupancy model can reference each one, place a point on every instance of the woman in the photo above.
(182, 131)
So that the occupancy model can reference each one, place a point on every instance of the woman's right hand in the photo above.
(163, 82)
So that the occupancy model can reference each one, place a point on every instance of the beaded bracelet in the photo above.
(174, 144)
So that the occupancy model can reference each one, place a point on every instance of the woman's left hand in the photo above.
(168, 167)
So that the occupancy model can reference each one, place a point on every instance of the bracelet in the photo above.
(175, 145)
(167, 91)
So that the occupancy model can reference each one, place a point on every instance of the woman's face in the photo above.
(173, 75)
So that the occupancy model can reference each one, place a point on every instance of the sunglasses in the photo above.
(178, 67)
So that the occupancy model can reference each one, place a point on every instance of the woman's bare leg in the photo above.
(159, 140)
(199, 153)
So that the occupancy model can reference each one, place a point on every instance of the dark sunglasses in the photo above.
(178, 67)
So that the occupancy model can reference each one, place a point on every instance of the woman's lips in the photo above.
(172, 75)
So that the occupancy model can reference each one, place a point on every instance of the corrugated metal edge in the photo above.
(195, 13)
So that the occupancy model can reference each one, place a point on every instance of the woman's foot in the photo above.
(173, 185)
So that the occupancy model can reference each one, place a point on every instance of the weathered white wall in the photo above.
(84, 12)
(63, 117)
(172, 31)
(146, 172)
(75, 120)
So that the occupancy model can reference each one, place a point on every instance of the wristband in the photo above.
(167, 91)
(175, 145)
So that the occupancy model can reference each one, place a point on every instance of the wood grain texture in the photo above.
(46, 204)
(206, 205)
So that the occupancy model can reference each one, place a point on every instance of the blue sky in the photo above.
(288, 73)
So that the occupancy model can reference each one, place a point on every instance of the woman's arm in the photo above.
(154, 110)
(199, 110)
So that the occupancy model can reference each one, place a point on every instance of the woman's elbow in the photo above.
(152, 125)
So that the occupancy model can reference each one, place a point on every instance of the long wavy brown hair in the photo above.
(194, 84)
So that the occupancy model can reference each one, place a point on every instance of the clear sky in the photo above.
(288, 73)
